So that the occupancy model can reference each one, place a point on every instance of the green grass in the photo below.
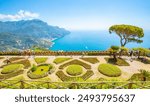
(60, 60)
(138, 77)
(91, 60)
(119, 61)
(26, 63)
(40, 60)
(40, 72)
(77, 62)
(109, 70)
(11, 68)
(74, 70)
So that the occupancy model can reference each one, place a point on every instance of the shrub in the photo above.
(34, 68)
(40, 60)
(26, 63)
(62, 76)
(143, 60)
(109, 70)
(60, 60)
(118, 61)
(10, 75)
(11, 68)
(91, 60)
(87, 75)
(77, 62)
(84, 77)
(74, 70)
(12, 59)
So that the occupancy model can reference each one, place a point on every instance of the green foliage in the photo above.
(142, 51)
(60, 60)
(74, 70)
(40, 60)
(84, 77)
(145, 74)
(140, 76)
(88, 74)
(118, 61)
(11, 68)
(40, 72)
(127, 33)
(109, 70)
(12, 74)
(26, 63)
(90, 59)
(115, 48)
(124, 49)
(34, 68)
(77, 62)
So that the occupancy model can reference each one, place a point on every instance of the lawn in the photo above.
(74, 70)
(39, 71)
(119, 61)
(60, 60)
(11, 68)
(40, 60)
(91, 60)
(109, 70)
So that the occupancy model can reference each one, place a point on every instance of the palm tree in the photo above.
(144, 74)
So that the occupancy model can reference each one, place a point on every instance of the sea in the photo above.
(93, 40)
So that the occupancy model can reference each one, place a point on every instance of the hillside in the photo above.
(27, 33)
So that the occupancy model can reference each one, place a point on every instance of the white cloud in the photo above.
(21, 15)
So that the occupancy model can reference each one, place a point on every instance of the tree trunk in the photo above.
(139, 55)
(114, 55)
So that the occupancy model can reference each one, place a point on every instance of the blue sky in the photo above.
(79, 14)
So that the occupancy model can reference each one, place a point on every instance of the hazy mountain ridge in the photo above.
(27, 33)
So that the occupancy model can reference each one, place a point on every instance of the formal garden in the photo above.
(74, 72)
(116, 68)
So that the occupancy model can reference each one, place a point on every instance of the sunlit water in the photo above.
(93, 40)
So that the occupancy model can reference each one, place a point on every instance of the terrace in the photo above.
(59, 71)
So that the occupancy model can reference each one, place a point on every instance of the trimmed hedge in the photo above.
(10, 75)
(11, 68)
(77, 62)
(12, 59)
(60, 60)
(109, 70)
(64, 77)
(26, 63)
(88, 74)
(34, 75)
(92, 60)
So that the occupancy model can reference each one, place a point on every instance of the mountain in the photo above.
(27, 33)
